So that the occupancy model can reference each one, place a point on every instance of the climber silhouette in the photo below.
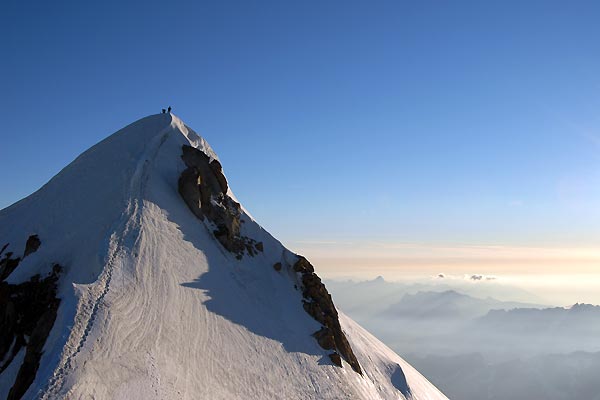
(169, 109)
(164, 111)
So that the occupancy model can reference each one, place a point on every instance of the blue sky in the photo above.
(427, 123)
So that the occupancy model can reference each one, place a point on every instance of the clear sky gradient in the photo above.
(438, 131)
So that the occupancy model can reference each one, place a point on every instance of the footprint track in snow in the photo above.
(128, 226)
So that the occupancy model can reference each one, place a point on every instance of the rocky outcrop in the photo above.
(325, 338)
(203, 187)
(318, 303)
(32, 245)
(8, 264)
(27, 314)
(189, 189)
(335, 358)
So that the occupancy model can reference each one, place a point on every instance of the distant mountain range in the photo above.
(571, 376)
(448, 304)
(539, 331)
(580, 317)
(366, 299)
(474, 346)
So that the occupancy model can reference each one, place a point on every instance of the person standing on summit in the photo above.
(169, 109)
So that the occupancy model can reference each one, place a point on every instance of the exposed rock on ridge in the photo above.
(9, 264)
(204, 189)
(32, 245)
(318, 303)
(27, 314)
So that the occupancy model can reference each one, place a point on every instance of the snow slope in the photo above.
(153, 307)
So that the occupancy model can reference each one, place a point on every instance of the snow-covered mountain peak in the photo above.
(135, 273)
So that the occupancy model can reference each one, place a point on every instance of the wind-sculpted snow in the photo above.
(153, 306)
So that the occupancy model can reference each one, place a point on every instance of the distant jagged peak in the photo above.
(582, 307)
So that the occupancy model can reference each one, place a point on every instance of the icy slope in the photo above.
(152, 306)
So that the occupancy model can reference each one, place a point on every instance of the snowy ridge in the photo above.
(153, 306)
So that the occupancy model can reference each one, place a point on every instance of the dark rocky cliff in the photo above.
(27, 314)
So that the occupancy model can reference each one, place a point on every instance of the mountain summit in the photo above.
(136, 274)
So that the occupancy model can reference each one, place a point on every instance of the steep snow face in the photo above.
(154, 307)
